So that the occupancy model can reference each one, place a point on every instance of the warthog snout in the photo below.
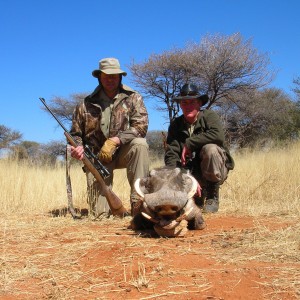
(167, 202)
(166, 210)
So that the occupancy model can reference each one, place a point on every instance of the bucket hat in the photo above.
(109, 66)
(190, 91)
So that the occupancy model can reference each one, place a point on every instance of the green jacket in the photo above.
(128, 120)
(208, 130)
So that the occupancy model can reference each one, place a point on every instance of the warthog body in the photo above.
(168, 202)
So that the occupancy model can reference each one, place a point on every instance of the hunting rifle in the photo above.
(99, 171)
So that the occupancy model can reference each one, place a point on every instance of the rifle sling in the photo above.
(69, 185)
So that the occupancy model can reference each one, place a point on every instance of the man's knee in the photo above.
(139, 142)
(213, 163)
(209, 150)
(139, 146)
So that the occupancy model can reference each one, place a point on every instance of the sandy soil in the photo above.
(59, 258)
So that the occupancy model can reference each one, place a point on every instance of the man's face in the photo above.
(110, 82)
(190, 109)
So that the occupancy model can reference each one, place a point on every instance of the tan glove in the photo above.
(107, 151)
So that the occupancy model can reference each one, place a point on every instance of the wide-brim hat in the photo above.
(190, 91)
(109, 66)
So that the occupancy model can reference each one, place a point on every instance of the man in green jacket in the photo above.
(196, 141)
(113, 122)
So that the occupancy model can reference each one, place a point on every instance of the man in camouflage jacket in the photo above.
(113, 122)
(196, 141)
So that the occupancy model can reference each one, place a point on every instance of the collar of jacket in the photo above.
(183, 124)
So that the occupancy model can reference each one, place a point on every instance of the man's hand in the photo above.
(186, 153)
(108, 149)
(199, 190)
(77, 152)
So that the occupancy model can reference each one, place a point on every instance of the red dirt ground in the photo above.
(215, 263)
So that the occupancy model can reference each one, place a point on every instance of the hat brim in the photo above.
(96, 73)
(203, 98)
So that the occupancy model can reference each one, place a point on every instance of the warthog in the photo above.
(167, 202)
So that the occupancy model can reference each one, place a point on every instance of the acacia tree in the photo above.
(26, 150)
(261, 116)
(296, 88)
(63, 107)
(36, 153)
(160, 77)
(296, 112)
(221, 66)
(8, 137)
(225, 67)
(155, 140)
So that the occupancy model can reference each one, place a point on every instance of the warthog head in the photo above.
(167, 195)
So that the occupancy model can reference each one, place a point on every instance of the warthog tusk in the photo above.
(150, 218)
(185, 215)
(188, 211)
(172, 225)
(138, 189)
(176, 222)
(194, 187)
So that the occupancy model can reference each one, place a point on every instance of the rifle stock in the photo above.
(114, 202)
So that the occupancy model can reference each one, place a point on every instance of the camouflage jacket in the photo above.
(128, 120)
(208, 130)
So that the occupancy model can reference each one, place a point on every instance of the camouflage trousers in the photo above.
(133, 156)
(213, 163)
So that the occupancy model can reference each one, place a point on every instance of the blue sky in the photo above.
(49, 48)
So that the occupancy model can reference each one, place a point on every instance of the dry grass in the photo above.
(29, 189)
(262, 183)
(47, 252)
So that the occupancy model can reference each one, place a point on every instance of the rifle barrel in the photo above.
(54, 116)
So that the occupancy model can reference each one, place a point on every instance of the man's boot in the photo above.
(212, 199)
